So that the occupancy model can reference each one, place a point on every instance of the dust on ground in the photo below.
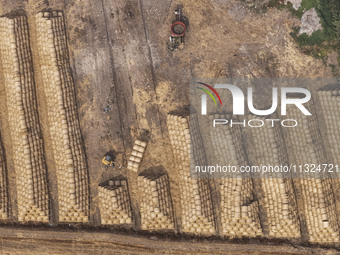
(120, 63)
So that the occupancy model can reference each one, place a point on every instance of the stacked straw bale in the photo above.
(239, 209)
(155, 203)
(114, 202)
(195, 195)
(279, 200)
(65, 134)
(26, 136)
(305, 144)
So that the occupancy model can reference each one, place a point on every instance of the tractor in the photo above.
(178, 30)
(108, 161)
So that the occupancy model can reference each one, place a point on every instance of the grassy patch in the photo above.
(325, 40)
(321, 41)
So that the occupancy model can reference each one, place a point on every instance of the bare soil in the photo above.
(120, 61)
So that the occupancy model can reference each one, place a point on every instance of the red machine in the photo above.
(178, 29)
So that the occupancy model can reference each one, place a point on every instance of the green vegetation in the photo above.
(335, 10)
(325, 40)
(320, 42)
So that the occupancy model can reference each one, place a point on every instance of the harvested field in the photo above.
(82, 79)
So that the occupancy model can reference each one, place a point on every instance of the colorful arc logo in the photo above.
(208, 92)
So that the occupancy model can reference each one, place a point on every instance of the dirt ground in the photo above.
(39, 241)
(119, 60)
